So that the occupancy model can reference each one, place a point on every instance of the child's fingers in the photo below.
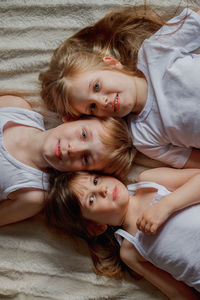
(149, 228)
(153, 229)
(143, 225)
(140, 223)
(146, 226)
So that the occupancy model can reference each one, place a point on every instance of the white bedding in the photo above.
(36, 263)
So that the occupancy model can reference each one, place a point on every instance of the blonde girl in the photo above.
(163, 94)
(118, 34)
(28, 153)
(99, 209)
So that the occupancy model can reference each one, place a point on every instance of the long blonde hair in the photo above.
(119, 34)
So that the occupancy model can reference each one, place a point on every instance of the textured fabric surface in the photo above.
(35, 263)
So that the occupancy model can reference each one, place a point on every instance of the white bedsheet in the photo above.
(36, 263)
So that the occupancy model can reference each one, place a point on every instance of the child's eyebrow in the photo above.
(84, 192)
(91, 83)
(89, 131)
(88, 110)
(91, 177)
(91, 160)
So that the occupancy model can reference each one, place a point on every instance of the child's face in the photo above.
(102, 93)
(103, 199)
(76, 146)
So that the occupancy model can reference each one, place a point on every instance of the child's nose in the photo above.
(76, 148)
(104, 192)
(105, 102)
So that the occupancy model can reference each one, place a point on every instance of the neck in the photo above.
(35, 150)
(141, 94)
(137, 205)
(130, 218)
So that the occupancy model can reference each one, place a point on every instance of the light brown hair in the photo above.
(118, 141)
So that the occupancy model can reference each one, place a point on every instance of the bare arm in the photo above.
(169, 177)
(26, 205)
(14, 101)
(169, 286)
(142, 159)
(193, 160)
(185, 184)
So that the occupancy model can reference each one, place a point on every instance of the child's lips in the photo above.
(58, 151)
(115, 193)
(116, 103)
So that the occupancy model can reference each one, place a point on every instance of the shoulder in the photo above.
(129, 254)
(30, 196)
(149, 175)
(14, 101)
(22, 205)
(158, 175)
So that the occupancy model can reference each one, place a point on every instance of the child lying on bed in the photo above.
(101, 209)
(161, 94)
(28, 153)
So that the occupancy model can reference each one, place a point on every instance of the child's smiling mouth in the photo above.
(115, 193)
(116, 103)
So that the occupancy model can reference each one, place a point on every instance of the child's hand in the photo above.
(152, 218)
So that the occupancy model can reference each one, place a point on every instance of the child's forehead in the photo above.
(92, 123)
(84, 177)
(82, 183)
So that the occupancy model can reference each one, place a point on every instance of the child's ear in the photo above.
(65, 118)
(96, 229)
(112, 62)
(68, 118)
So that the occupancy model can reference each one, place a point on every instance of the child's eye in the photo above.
(96, 87)
(95, 180)
(84, 135)
(92, 108)
(91, 200)
(85, 160)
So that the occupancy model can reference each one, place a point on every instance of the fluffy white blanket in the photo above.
(36, 263)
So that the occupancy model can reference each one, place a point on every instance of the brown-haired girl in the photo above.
(166, 251)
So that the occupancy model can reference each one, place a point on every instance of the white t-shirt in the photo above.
(169, 125)
(175, 247)
(16, 175)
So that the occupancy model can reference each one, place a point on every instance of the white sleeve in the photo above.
(185, 35)
(169, 154)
